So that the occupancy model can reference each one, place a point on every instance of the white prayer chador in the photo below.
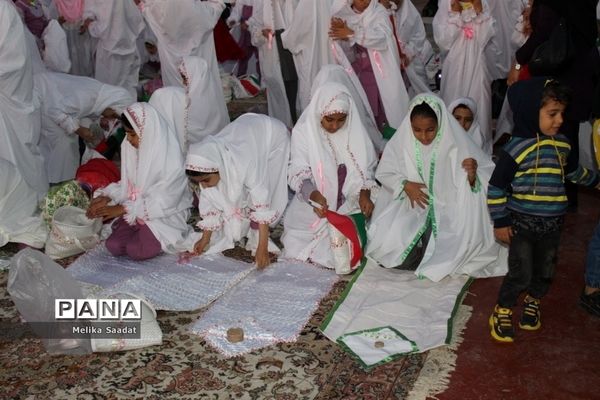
(414, 44)
(316, 155)
(184, 29)
(273, 15)
(506, 13)
(206, 111)
(251, 156)
(153, 186)
(307, 39)
(19, 109)
(334, 73)
(20, 221)
(462, 238)
(170, 103)
(465, 70)
(373, 31)
(56, 50)
(66, 99)
(117, 25)
(481, 138)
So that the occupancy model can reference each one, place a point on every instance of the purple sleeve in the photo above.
(306, 188)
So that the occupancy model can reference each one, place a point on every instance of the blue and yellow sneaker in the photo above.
(530, 319)
(501, 325)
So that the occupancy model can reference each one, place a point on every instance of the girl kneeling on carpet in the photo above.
(151, 202)
(332, 168)
(242, 172)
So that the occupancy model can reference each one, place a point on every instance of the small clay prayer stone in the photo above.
(379, 344)
(235, 335)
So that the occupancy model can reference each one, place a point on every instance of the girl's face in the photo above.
(132, 138)
(333, 122)
(551, 117)
(424, 129)
(464, 116)
(207, 181)
(360, 5)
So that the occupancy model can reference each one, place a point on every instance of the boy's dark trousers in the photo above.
(531, 257)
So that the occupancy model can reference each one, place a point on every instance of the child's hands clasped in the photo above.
(338, 29)
(470, 166)
(416, 195)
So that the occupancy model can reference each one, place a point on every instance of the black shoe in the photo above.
(530, 319)
(501, 327)
(591, 303)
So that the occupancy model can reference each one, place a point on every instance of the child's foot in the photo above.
(591, 302)
(530, 319)
(501, 325)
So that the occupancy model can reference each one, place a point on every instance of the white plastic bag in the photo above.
(72, 232)
(34, 283)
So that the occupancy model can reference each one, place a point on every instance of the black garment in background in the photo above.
(289, 74)
(582, 75)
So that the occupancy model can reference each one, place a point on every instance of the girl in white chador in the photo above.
(116, 24)
(334, 73)
(183, 29)
(431, 215)
(332, 166)
(464, 30)
(170, 103)
(269, 17)
(66, 99)
(19, 110)
(307, 39)
(152, 200)
(206, 112)
(414, 46)
(243, 175)
(465, 112)
(20, 221)
(364, 29)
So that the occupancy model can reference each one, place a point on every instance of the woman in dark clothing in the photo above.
(582, 73)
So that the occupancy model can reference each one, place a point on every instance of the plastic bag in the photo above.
(72, 232)
(34, 283)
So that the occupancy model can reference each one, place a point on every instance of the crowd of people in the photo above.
(355, 126)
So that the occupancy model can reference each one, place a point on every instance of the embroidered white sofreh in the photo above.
(376, 346)
(162, 281)
(272, 305)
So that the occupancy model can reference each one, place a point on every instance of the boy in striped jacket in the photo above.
(527, 199)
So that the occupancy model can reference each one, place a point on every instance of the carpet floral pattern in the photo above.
(184, 367)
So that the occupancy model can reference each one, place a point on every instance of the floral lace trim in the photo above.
(192, 167)
(264, 220)
(299, 177)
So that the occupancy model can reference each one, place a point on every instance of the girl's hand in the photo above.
(503, 234)
(110, 212)
(470, 166)
(84, 133)
(416, 195)
(339, 30)
(95, 205)
(262, 257)
(318, 198)
(201, 244)
(365, 203)
(267, 32)
(85, 26)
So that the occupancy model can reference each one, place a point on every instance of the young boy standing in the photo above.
(527, 200)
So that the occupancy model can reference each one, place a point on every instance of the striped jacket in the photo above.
(529, 178)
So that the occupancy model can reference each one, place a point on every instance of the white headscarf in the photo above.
(334, 73)
(462, 239)
(349, 145)
(251, 156)
(385, 61)
(56, 51)
(205, 105)
(170, 103)
(475, 132)
(117, 24)
(153, 186)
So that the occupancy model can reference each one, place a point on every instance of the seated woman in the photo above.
(243, 174)
(332, 167)
(465, 112)
(431, 215)
(151, 202)
(66, 99)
